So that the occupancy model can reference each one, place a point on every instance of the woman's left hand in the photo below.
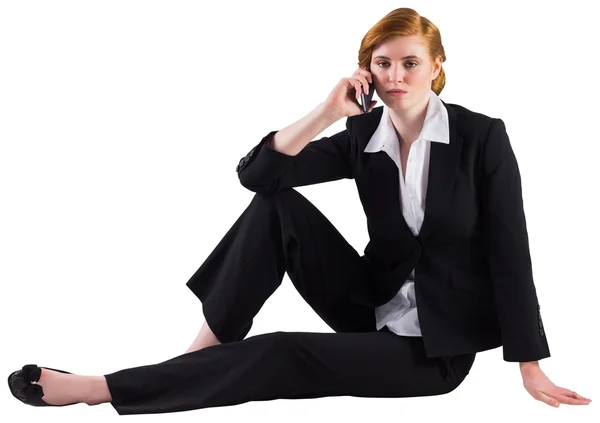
(542, 389)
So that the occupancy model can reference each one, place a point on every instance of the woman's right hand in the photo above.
(344, 98)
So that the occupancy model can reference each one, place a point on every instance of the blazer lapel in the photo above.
(444, 160)
(379, 176)
(378, 167)
(364, 126)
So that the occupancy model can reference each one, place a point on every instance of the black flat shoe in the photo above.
(24, 387)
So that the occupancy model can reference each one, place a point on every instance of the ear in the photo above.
(437, 66)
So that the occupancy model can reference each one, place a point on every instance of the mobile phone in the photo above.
(365, 99)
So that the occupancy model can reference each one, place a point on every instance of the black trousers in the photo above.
(278, 233)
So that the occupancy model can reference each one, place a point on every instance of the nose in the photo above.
(396, 74)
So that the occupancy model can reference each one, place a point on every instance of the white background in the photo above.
(122, 122)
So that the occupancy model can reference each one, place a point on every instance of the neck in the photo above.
(409, 122)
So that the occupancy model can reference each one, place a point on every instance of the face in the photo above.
(392, 69)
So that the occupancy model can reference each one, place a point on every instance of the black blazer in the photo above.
(473, 276)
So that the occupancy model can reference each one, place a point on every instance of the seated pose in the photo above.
(446, 272)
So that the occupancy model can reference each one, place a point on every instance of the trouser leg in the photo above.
(278, 233)
(288, 365)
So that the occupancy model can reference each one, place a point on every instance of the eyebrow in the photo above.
(387, 58)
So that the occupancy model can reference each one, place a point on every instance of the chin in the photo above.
(397, 103)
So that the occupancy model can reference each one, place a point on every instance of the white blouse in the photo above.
(400, 313)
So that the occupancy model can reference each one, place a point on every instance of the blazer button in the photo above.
(540, 324)
(541, 332)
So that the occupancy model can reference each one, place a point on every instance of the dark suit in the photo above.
(473, 278)
(474, 284)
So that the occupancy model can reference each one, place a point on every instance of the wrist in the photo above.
(328, 114)
(526, 366)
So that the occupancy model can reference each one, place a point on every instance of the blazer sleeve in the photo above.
(507, 245)
(265, 170)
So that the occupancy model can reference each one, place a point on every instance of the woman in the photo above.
(440, 187)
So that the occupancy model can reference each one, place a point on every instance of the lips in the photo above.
(396, 91)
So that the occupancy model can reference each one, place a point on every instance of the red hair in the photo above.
(405, 22)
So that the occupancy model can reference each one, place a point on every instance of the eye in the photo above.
(410, 67)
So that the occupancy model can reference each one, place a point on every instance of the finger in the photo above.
(547, 399)
(365, 84)
(362, 72)
(568, 393)
(572, 394)
(367, 74)
(570, 400)
(357, 88)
